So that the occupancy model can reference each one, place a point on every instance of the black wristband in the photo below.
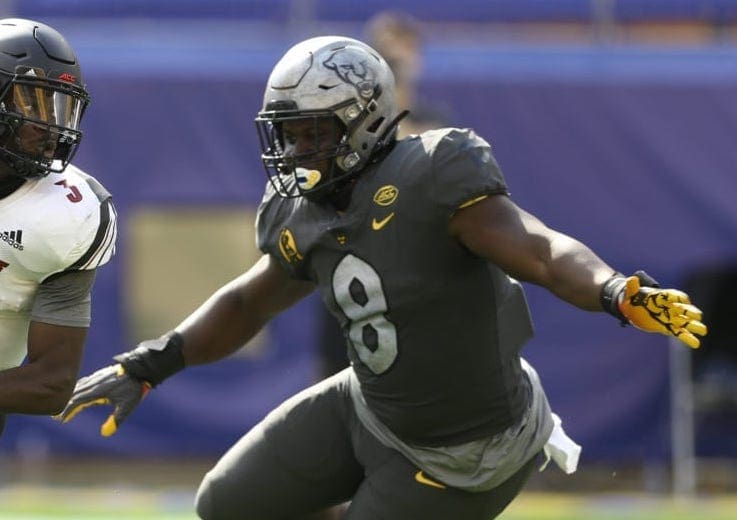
(609, 296)
(646, 280)
(612, 288)
(154, 360)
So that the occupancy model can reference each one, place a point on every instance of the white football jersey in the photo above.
(64, 221)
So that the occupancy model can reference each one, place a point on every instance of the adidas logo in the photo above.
(13, 238)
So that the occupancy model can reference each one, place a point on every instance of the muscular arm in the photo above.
(224, 323)
(238, 310)
(43, 385)
(499, 230)
(56, 334)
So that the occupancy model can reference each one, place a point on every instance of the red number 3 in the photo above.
(75, 195)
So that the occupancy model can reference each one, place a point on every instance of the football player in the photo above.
(57, 224)
(416, 248)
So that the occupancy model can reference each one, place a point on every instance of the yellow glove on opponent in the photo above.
(639, 300)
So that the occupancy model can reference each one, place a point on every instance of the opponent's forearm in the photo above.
(43, 384)
(27, 389)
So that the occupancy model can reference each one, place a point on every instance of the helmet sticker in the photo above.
(69, 78)
(352, 71)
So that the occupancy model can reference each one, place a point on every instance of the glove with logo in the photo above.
(639, 300)
(124, 385)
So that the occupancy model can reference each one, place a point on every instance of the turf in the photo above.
(126, 503)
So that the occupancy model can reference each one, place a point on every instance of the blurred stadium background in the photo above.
(613, 120)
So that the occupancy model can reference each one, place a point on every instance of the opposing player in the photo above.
(413, 245)
(57, 224)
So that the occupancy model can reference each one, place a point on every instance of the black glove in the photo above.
(125, 384)
(109, 385)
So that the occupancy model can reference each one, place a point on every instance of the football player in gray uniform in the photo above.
(57, 224)
(416, 248)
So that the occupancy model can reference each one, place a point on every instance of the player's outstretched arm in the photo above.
(497, 229)
(221, 325)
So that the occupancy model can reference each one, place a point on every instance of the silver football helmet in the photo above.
(331, 78)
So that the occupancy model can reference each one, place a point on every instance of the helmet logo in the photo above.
(352, 71)
(69, 78)
(386, 195)
(288, 246)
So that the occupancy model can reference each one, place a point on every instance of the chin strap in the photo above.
(389, 134)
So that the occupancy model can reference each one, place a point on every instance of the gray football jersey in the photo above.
(433, 331)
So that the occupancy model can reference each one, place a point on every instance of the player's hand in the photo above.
(667, 311)
(110, 385)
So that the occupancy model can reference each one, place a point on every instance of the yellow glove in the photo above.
(667, 311)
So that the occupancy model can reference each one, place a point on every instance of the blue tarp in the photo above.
(427, 10)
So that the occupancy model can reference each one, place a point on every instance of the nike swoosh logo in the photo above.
(378, 224)
(422, 479)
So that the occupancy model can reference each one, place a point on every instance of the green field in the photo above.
(126, 503)
(539, 506)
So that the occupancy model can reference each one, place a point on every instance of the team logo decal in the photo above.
(377, 225)
(13, 238)
(424, 479)
(386, 195)
(352, 71)
(69, 78)
(288, 246)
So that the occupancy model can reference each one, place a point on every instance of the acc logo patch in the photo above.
(69, 78)
(288, 246)
(386, 195)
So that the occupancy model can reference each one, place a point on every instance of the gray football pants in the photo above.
(312, 452)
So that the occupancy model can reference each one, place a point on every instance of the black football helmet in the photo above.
(327, 79)
(42, 99)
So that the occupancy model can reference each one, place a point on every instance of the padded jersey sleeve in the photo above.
(97, 247)
(463, 169)
(78, 229)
